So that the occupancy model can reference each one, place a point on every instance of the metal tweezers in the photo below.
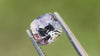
(79, 49)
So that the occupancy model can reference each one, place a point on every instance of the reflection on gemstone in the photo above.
(45, 29)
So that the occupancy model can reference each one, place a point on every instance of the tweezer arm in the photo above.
(35, 44)
(71, 36)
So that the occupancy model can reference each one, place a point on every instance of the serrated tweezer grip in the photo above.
(71, 36)
(35, 44)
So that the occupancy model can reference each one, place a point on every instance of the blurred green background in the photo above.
(82, 16)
